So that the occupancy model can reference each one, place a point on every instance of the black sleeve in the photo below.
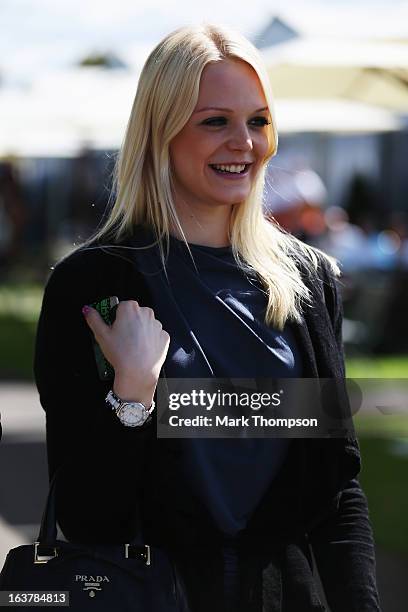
(344, 551)
(334, 307)
(103, 461)
(343, 544)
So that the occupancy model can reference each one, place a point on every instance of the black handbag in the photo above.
(122, 577)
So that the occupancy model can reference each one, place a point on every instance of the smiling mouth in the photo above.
(230, 169)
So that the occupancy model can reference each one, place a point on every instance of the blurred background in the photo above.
(339, 72)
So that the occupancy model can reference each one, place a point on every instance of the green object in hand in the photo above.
(107, 309)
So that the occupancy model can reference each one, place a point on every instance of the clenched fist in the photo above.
(135, 345)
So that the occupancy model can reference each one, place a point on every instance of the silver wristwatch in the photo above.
(131, 414)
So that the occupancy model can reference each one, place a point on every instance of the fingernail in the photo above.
(85, 310)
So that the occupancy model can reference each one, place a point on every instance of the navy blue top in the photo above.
(221, 311)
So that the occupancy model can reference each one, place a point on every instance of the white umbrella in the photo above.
(370, 73)
(62, 112)
(342, 116)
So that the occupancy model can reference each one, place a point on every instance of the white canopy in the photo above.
(373, 73)
(60, 113)
(336, 116)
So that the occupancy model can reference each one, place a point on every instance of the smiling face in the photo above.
(227, 128)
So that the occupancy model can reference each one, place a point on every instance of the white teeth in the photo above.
(232, 168)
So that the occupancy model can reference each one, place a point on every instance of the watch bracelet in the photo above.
(120, 401)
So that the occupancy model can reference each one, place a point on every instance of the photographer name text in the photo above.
(255, 420)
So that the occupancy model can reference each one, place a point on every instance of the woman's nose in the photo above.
(241, 139)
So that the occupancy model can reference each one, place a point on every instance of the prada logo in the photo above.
(91, 583)
(97, 579)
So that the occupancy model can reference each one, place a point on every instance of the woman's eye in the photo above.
(260, 121)
(215, 121)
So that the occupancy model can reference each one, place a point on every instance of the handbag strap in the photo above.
(47, 536)
(48, 528)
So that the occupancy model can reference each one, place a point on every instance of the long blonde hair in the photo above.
(166, 96)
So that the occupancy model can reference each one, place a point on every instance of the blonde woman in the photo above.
(207, 288)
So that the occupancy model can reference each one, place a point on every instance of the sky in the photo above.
(39, 36)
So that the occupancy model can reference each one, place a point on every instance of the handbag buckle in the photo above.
(43, 558)
(145, 554)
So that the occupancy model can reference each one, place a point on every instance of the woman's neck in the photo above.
(207, 228)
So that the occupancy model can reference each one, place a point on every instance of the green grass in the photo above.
(19, 310)
(384, 479)
(377, 367)
(383, 426)
(17, 340)
(21, 301)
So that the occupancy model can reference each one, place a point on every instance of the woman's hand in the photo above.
(135, 345)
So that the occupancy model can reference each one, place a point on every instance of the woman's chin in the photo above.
(233, 197)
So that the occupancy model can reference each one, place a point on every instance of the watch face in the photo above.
(132, 415)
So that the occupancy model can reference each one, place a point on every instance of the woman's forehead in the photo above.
(229, 83)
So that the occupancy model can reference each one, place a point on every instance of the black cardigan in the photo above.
(118, 479)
